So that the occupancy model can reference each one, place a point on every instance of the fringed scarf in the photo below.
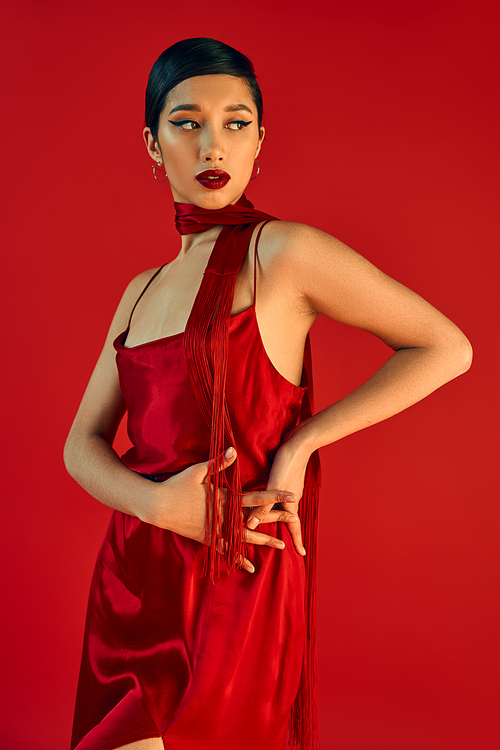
(207, 366)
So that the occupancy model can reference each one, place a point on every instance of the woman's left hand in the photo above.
(287, 473)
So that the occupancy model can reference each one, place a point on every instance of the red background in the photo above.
(382, 129)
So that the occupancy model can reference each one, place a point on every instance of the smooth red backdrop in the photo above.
(382, 129)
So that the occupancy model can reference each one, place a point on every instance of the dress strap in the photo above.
(255, 260)
(140, 295)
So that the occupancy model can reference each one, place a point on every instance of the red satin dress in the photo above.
(167, 652)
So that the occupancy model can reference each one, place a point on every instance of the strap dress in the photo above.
(167, 651)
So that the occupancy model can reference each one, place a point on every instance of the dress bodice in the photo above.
(165, 424)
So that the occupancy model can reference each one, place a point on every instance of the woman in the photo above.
(200, 629)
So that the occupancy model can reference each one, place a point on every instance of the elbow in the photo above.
(467, 361)
(460, 356)
(71, 455)
(68, 455)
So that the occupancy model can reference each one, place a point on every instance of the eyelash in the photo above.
(242, 123)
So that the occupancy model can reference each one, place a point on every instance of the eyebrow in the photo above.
(197, 108)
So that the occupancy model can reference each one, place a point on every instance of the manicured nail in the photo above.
(290, 498)
(253, 523)
(230, 453)
(250, 568)
(292, 518)
(303, 551)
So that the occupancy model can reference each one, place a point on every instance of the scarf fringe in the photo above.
(304, 714)
(206, 355)
(224, 534)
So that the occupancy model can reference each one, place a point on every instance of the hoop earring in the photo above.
(258, 170)
(158, 167)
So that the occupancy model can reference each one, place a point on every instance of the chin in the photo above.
(215, 199)
(212, 199)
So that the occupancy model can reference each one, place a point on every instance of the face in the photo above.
(208, 123)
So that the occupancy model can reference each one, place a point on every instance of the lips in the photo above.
(213, 179)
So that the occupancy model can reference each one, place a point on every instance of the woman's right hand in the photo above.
(181, 505)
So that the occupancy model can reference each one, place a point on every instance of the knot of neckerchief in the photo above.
(190, 218)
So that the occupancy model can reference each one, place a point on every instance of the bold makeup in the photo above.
(213, 179)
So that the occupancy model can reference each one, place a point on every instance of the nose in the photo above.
(211, 148)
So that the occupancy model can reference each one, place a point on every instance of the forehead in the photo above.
(211, 91)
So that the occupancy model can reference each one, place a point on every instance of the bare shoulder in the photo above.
(286, 233)
(297, 255)
(135, 287)
(291, 241)
(128, 300)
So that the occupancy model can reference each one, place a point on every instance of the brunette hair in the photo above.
(200, 56)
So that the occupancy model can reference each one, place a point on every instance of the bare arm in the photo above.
(88, 452)
(179, 504)
(429, 350)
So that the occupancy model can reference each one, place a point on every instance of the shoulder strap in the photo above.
(140, 295)
(255, 260)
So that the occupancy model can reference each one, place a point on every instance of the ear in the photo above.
(262, 134)
(151, 145)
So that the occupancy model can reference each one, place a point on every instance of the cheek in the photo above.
(245, 155)
(177, 161)
(175, 151)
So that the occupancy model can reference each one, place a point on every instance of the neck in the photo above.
(190, 242)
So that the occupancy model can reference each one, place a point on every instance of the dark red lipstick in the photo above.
(213, 179)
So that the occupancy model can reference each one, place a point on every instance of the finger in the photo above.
(283, 516)
(262, 502)
(245, 563)
(267, 497)
(224, 460)
(256, 537)
(258, 514)
(295, 530)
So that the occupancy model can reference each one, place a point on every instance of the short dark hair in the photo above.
(200, 56)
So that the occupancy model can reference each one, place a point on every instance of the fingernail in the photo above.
(303, 551)
(250, 568)
(292, 518)
(290, 498)
(229, 452)
(253, 523)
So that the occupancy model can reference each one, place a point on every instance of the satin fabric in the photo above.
(190, 218)
(167, 652)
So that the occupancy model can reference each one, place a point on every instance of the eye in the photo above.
(239, 124)
(185, 124)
